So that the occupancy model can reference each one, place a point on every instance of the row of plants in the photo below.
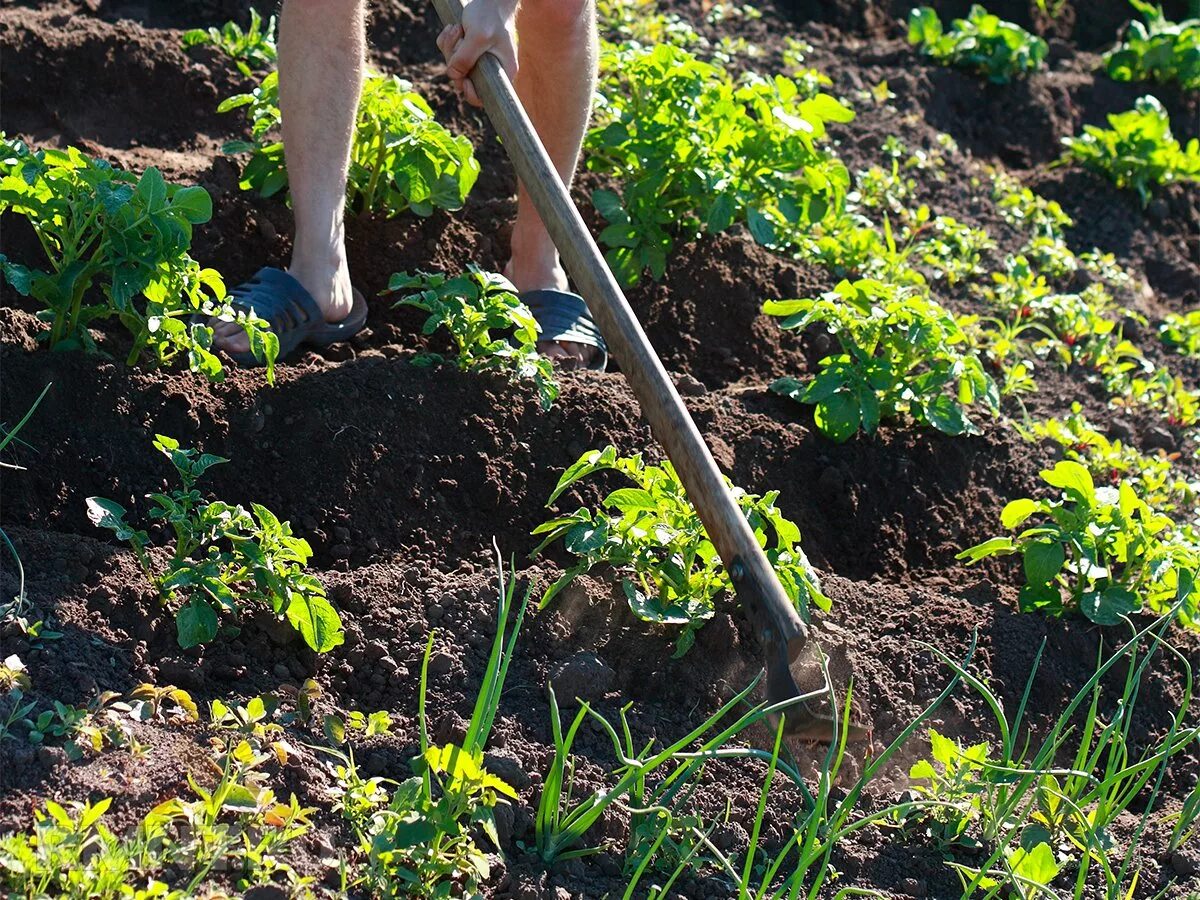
(1156, 49)
(1028, 823)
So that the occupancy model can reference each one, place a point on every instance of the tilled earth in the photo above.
(401, 476)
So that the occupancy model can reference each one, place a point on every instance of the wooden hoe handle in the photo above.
(772, 614)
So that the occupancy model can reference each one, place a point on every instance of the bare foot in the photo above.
(330, 288)
(565, 354)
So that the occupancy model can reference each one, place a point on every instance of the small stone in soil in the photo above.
(507, 768)
(914, 887)
(1186, 863)
(585, 676)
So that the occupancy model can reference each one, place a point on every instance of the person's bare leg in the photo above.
(321, 49)
(557, 49)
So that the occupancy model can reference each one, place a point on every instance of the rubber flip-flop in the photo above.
(292, 313)
(564, 316)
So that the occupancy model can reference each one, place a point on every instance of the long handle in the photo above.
(779, 627)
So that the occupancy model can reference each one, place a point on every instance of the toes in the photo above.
(568, 354)
(229, 336)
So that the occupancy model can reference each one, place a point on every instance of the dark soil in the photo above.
(400, 476)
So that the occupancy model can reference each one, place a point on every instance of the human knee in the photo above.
(328, 7)
(561, 15)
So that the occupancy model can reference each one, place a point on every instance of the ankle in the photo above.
(534, 264)
(327, 280)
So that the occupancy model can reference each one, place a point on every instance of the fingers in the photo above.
(462, 46)
(465, 53)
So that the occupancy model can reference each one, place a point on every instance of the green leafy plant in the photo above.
(1138, 151)
(471, 306)
(419, 840)
(1154, 477)
(128, 236)
(1105, 547)
(949, 778)
(650, 533)
(250, 49)
(236, 826)
(1181, 332)
(224, 557)
(401, 158)
(696, 152)
(1157, 50)
(901, 352)
(982, 42)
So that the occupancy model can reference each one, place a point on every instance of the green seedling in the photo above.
(127, 237)
(1026, 211)
(472, 306)
(650, 533)
(224, 558)
(251, 49)
(953, 251)
(419, 839)
(982, 43)
(236, 827)
(696, 152)
(1020, 798)
(1137, 151)
(950, 778)
(1181, 332)
(1106, 548)
(401, 158)
(1157, 50)
(901, 353)
(1154, 477)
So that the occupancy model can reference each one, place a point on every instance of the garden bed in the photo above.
(400, 476)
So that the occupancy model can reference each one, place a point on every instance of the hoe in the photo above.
(779, 628)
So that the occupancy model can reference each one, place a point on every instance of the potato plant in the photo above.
(670, 571)
(901, 354)
(223, 558)
(982, 43)
(1102, 551)
(1138, 151)
(472, 306)
(250, 49)
(401, 159)
(1157, 50)
(116, 247)
(696, 152)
